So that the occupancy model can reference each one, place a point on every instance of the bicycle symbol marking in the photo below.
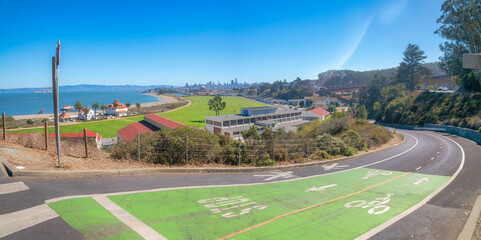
(222, 204)
(374, 173)
(378, 206)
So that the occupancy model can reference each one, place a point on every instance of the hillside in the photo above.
(336, 78)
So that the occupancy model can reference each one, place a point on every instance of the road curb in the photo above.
(86, 173)
(470, 225)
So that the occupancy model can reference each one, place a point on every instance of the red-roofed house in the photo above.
(130, 132)
(316, 113)
(162, 122)
(117, 109)
(64, 117)
(151, 123)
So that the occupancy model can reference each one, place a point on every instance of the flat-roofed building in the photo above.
(262, 117)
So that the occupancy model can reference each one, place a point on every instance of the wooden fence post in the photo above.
(138, 146)
(46, 136)
(4, 126)
(85, 140)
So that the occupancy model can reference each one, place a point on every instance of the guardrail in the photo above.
(462, 132)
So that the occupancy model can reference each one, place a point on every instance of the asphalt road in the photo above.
(443, 217)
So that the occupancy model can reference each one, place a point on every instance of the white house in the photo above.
(86, 115)
(117, 109)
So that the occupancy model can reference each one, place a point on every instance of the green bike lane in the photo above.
(342, 205)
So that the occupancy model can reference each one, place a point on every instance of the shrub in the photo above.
(319, 155)
(30, 121)
(352, 138)
(349, 151)
(330, 144)
(264, 160)
(297, 158)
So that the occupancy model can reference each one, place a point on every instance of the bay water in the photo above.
(31, 103)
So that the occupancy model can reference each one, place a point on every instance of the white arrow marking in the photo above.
(421, 180)
(276, 174)
(334, 166)
(317, 189)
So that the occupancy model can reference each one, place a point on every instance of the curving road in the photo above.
(442, 217)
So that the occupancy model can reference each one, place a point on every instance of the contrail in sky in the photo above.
(348, 55)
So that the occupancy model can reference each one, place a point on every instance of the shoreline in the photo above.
(161, 99)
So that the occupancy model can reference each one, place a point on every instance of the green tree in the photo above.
(78, 106)
(30, 122)
(361, 112)
(128, 106)
(331, 108)
(95, 106)
(410, 70)
(461, 27)
(216, 105)
(309, 102)
(138, 108)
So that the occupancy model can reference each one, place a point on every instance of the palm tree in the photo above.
(103, 107)
(78, 106)
(95, 106)
(86, 111)
(138, 108)
(128, 106)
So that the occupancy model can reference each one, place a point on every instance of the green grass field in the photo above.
(350, 207)
(192, 115)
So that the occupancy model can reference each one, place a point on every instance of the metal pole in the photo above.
(239, 152)
(85, 140)
(273, 149)
(138, 146)
(46, 136)
(55, 105)
(187, 149)
(4, 126)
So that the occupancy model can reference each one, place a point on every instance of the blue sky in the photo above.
(178, 42)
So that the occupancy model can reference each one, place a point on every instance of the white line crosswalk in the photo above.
(19, 220)
(12, 187)
(135, 224)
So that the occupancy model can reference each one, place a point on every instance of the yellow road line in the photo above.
(432, 158)
(307, 208)
(418, 168)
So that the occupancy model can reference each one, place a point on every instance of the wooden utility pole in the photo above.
(138, 146)
(4, 126)
(85, 141)
(187, 149)
(55, 63)
(46, 136)
(239, 152)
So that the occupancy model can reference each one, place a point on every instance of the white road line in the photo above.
(17, 221)
(135, 224)
(235, 185)
(391, 221)
(12, 187)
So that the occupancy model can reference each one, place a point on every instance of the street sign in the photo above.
(472, 60)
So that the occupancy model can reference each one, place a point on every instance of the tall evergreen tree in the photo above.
(410, 70)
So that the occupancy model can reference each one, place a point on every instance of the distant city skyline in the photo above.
(174, 43)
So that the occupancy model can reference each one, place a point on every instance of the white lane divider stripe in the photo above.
(12, 187)
(135, 224)
(20, 220)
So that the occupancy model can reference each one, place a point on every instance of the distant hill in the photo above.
(87, 87)
(341, 78)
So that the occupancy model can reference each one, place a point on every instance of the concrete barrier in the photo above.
(462, 132)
